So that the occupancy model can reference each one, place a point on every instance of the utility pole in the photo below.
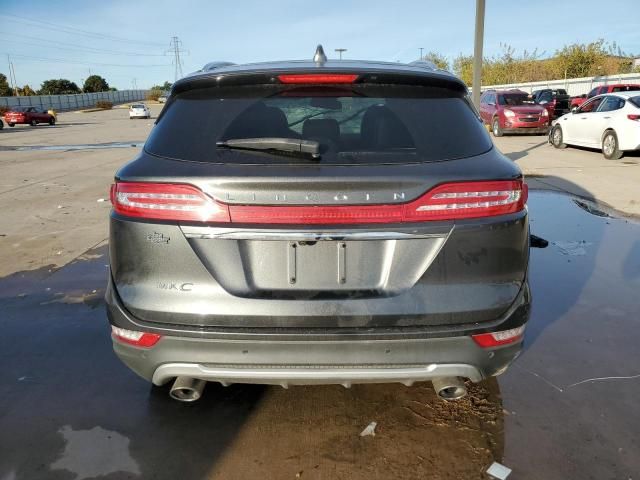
(421, 57)
(477, 52)
(12, 82)
(176, 50)
(134, 84)
(340, 50)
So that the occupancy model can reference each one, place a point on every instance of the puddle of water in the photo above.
(96, 452)
(67, 148)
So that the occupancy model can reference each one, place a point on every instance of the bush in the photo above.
(154, 94)
(104, 104)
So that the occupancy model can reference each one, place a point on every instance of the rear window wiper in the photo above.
(275, 144)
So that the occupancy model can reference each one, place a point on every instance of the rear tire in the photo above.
(52, 121)
(33, 123)
(11, 124)
(610, 147)
(557, 138)
(495, 128)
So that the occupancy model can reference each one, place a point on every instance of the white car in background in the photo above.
(139, 110)
(610, 122)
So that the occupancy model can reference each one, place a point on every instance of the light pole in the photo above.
(340, 50)
(477, 52)
(421, 57)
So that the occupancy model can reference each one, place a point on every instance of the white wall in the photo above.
(61, 103)
(573, 86)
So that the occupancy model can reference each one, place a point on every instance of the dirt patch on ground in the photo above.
(298, 433)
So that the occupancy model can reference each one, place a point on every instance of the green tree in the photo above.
(5, 89)
(439, 60)
(60, 86)
(26, 91)
(463, 68)
(582, 60)
(164, 87)
(95, 83)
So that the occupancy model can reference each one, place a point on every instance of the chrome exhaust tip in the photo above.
(449, 388)
(187, 389)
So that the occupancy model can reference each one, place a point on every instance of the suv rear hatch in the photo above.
(406, 217)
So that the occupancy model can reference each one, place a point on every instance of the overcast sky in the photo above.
(124, 40)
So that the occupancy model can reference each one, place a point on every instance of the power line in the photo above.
(74, 30)
(62, 60)
(176, 50)
(70, 46)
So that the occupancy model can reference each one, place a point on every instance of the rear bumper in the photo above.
(316, 362)
(318, 356)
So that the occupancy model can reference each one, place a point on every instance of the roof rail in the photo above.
(213, 65)
(429, 65)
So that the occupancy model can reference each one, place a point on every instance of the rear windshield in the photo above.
(359, 124)
(137, 106)
(626, 88)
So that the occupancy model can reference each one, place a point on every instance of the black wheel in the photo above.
(495, 128)
(52, 121)
(34, 123)
(556, 137)
(610, 148)
(1, 124)
(11, 124)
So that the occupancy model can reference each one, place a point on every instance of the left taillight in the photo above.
(166, 201)
(134, 337)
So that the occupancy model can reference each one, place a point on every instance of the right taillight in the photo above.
(633, 116)
(166, 201)
(497, 339)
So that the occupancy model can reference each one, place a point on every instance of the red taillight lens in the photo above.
(166, 201)
(133, 337)
(496, 339)
(445, 202)
(448, 201)
(468, 200)
(311, 78)
(633, 116)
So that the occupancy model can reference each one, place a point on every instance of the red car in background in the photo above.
(513, 111)
(616, 87)
(28, 115)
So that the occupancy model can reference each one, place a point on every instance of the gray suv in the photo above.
(318, 222)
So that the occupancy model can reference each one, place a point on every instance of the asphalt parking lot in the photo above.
(69, 410)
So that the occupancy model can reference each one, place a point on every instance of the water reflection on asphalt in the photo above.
(567, 409)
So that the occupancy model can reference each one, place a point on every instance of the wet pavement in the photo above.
(566, 410)
(71, 147)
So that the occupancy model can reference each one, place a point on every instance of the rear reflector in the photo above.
(448, 201)
(496, 339)
(311, 78)
(133, 337)
(166, 201)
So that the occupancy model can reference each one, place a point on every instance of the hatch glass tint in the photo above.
(357, 124)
